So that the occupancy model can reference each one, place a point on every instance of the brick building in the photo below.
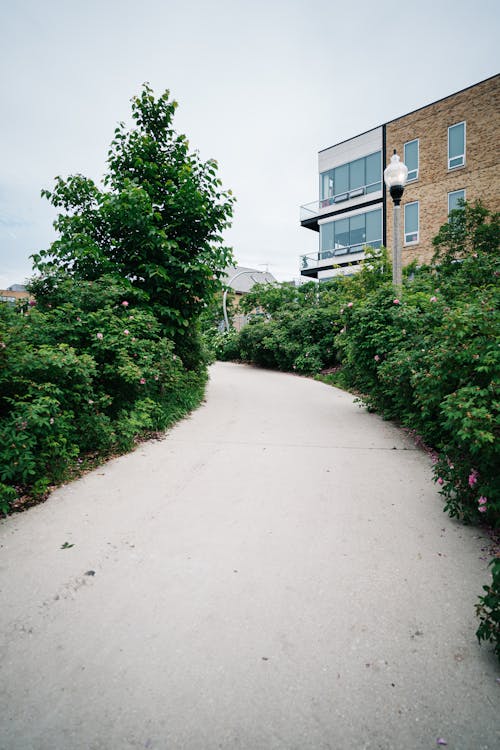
(15, 293)
(451, 150)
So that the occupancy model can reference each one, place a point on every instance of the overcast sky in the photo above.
(262, 86)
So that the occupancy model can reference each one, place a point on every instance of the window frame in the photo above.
(349, 193)
(452, 192)
(458, 156)
(417, 170)
(417, 233)
(347, 249)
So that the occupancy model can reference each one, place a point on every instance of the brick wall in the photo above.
(479, 107)
(8, 295)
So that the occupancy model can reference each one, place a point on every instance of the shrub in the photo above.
(112, 348)
(488, 609)
(301, 341)
(427, 357)
(224, 345)
(118, 379)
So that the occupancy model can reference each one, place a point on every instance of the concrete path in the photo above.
(275, 574)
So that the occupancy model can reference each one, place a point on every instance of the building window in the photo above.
(358, 177)
(454, 198)
(373, 166)
(411, 159)
(350, 234)
(411, 223)
(456, 145)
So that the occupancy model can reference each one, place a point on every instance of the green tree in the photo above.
(274, 298)
(471, 230)
(157, 224)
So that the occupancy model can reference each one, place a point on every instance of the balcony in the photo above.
(341, 257)
(365, 195)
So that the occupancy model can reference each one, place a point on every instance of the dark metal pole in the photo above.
(397, 251)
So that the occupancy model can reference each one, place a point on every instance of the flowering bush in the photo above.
(224, 345)
(428, 358)
(72, 384)
(298, 336)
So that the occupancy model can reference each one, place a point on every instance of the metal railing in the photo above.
(315, 208)
(325, 258)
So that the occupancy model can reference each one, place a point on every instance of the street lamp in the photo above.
(395, 176)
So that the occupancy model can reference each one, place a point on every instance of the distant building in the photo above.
(247, 278)
(451, 150)
(240, 280)
(14, 294)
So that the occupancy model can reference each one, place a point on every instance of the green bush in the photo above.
(112, 350)
(298, 340)
(224, 345)
(426, 356)
(82, 373)
(488, 609)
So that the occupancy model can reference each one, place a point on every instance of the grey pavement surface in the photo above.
(277, 573)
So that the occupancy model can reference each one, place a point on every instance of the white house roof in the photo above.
(249, 277)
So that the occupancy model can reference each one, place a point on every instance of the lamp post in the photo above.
(395, 176)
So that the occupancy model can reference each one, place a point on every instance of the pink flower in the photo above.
(126, 332)
(473, 477)
(142, 381)
(396, 302)
(482, 509)
(79, 320)
(376, 358)
(99, 335)
(440, 480)
(350, 304)
(482, 500)
(434, 299)
(32, 302)
(124, 303)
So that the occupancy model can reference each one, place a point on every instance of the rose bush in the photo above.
(83, 375)
(427, 357)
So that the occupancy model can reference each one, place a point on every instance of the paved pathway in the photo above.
(275, 574)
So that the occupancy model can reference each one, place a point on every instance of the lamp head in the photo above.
(395, 176)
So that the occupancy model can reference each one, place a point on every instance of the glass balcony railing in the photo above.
(325, 258)
(316, 208)
(309, 210)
